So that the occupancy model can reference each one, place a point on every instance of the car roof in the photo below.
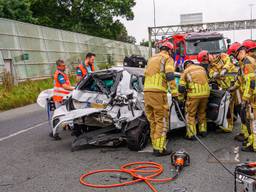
(131, 70)
(135, 70)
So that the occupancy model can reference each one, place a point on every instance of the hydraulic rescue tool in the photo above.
(142, 171)
(180, 159)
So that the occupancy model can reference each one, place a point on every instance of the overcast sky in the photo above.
(168, 13)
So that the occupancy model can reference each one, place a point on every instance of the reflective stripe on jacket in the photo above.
(89, 69)
(159, 74)
(194, 79)
(59, 92)
(248, 78)
(223, 62)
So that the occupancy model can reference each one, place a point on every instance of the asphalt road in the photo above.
(31, 162)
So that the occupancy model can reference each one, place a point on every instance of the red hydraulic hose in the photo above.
(150, 169)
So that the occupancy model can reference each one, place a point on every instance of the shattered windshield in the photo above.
(213, 46)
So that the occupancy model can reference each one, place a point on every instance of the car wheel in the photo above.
(137, 138)
(77, 130)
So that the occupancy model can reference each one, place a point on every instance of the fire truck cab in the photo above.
(188, 45)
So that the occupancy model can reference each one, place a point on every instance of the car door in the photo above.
(217, 108)
(177, 113)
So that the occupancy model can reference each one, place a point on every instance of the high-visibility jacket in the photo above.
(253, 55)
(159, 73)
(195, 81)
(247, 80)
(231, 71)
(223, 62)
(85, 68)
(59, 92)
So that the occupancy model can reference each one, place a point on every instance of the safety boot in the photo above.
(248, 149)
(161, 147)
(223, 130)
(191, 132)
(203, 134)
(244, 131)
(240, 137)
(202, 129)
(165, 152)
(193, 138)
(226, 130)
(249, 145)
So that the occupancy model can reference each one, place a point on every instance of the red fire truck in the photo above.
(188, 45)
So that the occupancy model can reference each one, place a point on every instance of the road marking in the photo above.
(237, 156)
(22, 131)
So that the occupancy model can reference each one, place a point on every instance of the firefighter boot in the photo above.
(250, 145)
(161, 147)
(243, 136)
(203, 129)
(191, 132)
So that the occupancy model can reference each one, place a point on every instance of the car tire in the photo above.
(77, 130)
(137, 137)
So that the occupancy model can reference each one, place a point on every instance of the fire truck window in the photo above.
(213, 46)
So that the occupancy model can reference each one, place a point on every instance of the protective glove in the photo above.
(223, 72)
(215, 74)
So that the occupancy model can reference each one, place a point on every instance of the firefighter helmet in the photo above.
(203, 56)
(249, 44)
(167, 44)
(234, 47)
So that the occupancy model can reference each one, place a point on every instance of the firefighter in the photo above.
(224, 72)
(159, 77)
(214, 71)
(194, 83)
(250, 48)
(204, 60)
(62, 87)
(248, 66)
(85, 67)
(231, 53)
(238, 89)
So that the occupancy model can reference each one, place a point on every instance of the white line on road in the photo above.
(22, 131)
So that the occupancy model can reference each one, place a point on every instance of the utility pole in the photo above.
(150, 30)
(251, 6)
(150, 42)
(154, 13)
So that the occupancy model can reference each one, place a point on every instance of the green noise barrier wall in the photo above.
(33, 49)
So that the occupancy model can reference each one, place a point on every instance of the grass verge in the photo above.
(24, 93)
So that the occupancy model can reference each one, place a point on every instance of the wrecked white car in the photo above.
(107, 108)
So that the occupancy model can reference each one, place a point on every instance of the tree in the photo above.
(92, 17)
(16, 9)
(146, 43)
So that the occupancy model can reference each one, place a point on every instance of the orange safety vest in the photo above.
(84, 70)
(59, 92)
